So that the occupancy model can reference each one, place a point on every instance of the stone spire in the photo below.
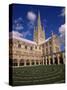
(39, 35)
(39, 21)
(35, 34)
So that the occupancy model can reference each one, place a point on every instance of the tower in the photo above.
(39, 34)
(55, 43)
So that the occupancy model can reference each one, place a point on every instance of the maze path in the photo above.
(47, 77)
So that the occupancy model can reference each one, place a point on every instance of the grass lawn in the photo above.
(39, 75)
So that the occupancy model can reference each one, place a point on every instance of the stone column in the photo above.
(46, 60)
(49, 60)
(35, 62)
(39, 62)
(43, 60)
(58, 59)
(53, 59)
(18, 62)
(48, 48)
(30, 62)
(24, 62)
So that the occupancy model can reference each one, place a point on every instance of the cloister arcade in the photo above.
(56, 58)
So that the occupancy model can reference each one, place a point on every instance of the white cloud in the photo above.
(27, 33)
(62, 12)
(19, 27)
(30, 25)
(18, 24)
(18, 20)
(31, 16)
(62, 30)
(62, 34)
(15, 34)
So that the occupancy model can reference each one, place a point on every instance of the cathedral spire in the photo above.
(39, 35)
(39, 20)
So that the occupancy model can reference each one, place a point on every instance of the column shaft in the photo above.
(35, 62)
(43, 61)
(30, 62)
(46, 60)
(18, 63)
(49, 61)
(58, 59)
(39, 62)
(24, 62)
(53, 60)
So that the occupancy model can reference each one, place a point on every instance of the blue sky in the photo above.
(24, 18)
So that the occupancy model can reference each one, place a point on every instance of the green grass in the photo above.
(39, 75)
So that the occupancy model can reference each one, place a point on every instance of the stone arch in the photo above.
(41, 62)
(21, 63)
(61, 59)
(27, 62)
(47, 60)
(32, 62)
(15, 63)
(56, 60)
(44, 61)
(51, 60)
(37, 62)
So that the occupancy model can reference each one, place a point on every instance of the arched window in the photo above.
(61, 59)
(56, 60)
(21, 62)
(44, 61)
(31, 48)
(25, 47)
(35, 47)
(37, 62)
(33, 62)
(19, 45)
(41, 62)
(27, 62)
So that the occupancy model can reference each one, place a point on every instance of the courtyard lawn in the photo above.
(39, 75)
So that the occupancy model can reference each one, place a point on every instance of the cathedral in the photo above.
(40, 51)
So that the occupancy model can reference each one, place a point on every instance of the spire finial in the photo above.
(39, 20)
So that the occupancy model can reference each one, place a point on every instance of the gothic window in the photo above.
(33, 62)
(50, 49)
(35, 47)
(46, 44)
(21, 62)
(19, 45)
(46, 50)
(31, 48)
(37, 62)
(41, 61)
(27, 62)
(25, 47)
